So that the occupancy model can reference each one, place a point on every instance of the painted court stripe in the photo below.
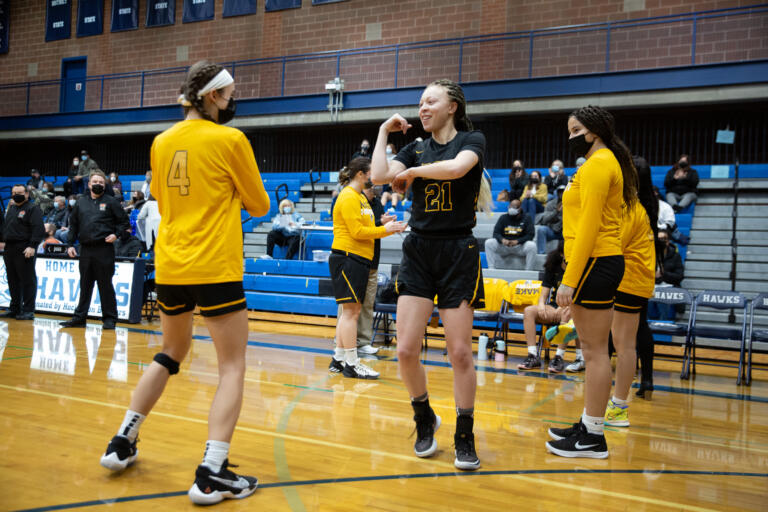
(518, 473)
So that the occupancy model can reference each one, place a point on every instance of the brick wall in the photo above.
(343, 26)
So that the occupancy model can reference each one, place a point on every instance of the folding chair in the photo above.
(517, 296)
(670, 296)
(759, 302)
(382, 312)
(716, 299)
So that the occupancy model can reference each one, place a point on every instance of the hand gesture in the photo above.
(29, 252)
(72, 252)
(110, 239)
(387, 218)
(395, 226)
(403, 181)
(564, 296)
(396, 123)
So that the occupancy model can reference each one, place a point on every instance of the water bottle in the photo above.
(482, 347)
(500, 349)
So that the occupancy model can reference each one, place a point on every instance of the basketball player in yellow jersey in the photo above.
(592, 213)
(629, 309)
(203, 174)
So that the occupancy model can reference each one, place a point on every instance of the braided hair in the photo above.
(645, 192)
(600, 122)
(348, 173)
(456, 93)
(200, 73)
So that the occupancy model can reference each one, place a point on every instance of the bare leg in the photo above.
(593, 326)
(624, 331)
(413, 313)
(458, 339)
(346, 326)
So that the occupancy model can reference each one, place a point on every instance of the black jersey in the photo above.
(444, 207)
(552, 281)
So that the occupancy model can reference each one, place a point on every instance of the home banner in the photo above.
(58, 19)
(125, 15)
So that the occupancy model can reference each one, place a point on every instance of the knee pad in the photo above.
(165, 360)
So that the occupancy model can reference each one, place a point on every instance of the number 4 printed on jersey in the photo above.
(177, 174)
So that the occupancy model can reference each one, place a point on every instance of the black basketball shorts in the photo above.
(599, 282)
(628, 303)
(349, 276)
(213, 299)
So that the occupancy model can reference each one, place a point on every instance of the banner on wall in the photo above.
(58, 19)
(279, 5)
(58, 287)
(239, 7)
(198, 10)
(90, 17)
(5, 18)
(319, 2)
(125, 15)
(160, 13)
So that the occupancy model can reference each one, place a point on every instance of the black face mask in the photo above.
(19, 198)
(534, 180)
(368, 184)
(97, 189)
(515, 169)
(226, 115)
(579, 145)
(683, 164)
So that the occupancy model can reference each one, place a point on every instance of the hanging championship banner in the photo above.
(5, 18)
(58, 19)
(161, 13)
(125, 15)
(239, 7)
(279, 5)
(90, 17)
(198, 10)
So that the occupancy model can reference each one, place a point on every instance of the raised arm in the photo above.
(382, 171)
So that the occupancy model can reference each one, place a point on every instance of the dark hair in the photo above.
(26, 189)
(348, 173)
(687, 159)
(665, 231)
(200, 73)
(534, 171)
(645, 192)
(554, 259)
(456, 93)
(600, 122)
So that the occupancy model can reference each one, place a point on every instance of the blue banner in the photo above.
(58, 19)
(5, 18)
(319, 2)
(90, 17)
(239, 7)
(279, 5)
(125, 15)
(161, 13)
(198, 10)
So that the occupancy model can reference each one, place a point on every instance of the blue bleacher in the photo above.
(287, 267)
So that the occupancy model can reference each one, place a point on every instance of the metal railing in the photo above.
(576, 49)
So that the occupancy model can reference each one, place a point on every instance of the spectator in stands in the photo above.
(512, 236)
(503, 196)
(667, 220)
(547, 313)
(87, 165)
(22, 231)
(518, 179)
(150, 215)
(364, 151)
(555, 177)
(42, 196)
(146, 183)
(550, 224)
(61, 233)
(58, 215)
(69, 184)
(534, 196)
(117, 185)
(136, 202)
(285, 229)
(681, 182)
(50, 238)
(670, 269)
(129, 248)
(35, 180)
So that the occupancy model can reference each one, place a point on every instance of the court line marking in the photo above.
(519, 474)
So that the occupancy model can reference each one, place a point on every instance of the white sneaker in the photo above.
(575, 366)
(367, 350)
(359, 371)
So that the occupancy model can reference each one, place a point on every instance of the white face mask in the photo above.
(389, 151)
(513, 211)
(72, 202)
(75, 163)
(286, 210)
(112, 179)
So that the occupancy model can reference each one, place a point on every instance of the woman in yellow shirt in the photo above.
(534, 196)
(592, 214)
(204, 173)
(354, 232)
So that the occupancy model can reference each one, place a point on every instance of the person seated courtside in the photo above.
(534, 196)
(285, 230)
(669, 272)
(512, 237)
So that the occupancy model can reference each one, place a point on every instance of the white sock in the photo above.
(350, 356)
(594, 424)
(579, 354)
(560, 352)
(216, 452)
(338, 354)
(532, 350)
(619, 401)
(131, 424)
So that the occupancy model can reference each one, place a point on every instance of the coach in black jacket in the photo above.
(23, 231)
(97, 220)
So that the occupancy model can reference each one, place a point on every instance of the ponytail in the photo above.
(456, 94)
(348, 173)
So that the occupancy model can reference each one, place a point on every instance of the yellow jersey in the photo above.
(592, 214)
(639, 253)
(354, 228)
(202, 174)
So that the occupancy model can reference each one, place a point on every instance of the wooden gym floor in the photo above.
(323, 442)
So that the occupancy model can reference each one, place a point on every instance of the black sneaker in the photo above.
(561, 433)
(120, 453)
(9, 314)
(427, 423)
(359, 371)
(210, 487)
(464, 441)
(336, 366)
(73, 323)
(25, 316)
(530, 363)
(580, 444)
(557, 365)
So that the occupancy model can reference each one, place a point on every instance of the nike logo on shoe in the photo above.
(240, 483)
(579, 446)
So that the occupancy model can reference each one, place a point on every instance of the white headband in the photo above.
(222, 79)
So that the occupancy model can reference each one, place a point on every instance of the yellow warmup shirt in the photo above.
(592, 214)
(202, 175)
(354, 228)
(639, 253)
